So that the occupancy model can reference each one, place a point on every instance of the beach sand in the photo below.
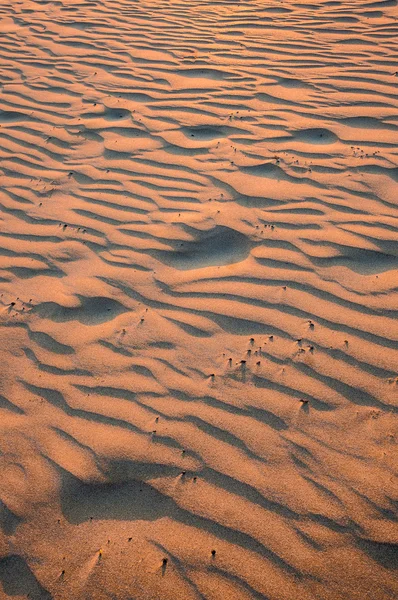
(199, 299)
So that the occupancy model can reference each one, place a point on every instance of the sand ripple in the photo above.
(199, 285)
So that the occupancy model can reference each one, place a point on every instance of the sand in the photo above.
(199, 300)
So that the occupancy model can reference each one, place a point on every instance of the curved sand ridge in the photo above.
(199, 300)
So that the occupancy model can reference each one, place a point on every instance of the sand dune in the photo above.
(199, 300)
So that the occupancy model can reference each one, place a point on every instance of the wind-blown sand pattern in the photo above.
(199, 300)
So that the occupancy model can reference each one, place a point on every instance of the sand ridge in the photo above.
(198, 339)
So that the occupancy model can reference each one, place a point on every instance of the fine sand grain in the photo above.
(199, 300)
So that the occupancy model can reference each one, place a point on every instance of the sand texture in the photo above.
(199, 300)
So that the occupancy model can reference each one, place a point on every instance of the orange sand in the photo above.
(199, 299)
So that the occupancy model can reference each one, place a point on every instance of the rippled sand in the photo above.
(199, 336)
